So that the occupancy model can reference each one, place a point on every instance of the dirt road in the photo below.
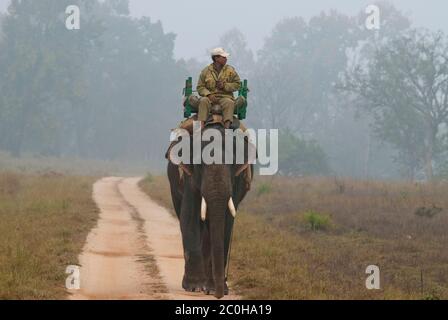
(135, 252)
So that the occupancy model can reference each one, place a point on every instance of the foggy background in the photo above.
(113, 90)
(196, 27)
(256, 19)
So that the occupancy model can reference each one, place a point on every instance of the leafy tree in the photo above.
(297, 67)
(142, 97)
(300, 157)
(36, 65)
(405, 86)
(110, 90)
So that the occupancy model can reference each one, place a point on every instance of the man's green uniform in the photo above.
(207, 86)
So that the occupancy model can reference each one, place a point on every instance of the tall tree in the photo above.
(111, 90)
(136, 85)
(36, 67)
(297, 67)
(405, 86)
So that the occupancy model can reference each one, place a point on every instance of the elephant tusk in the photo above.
(232, 207)
(203, 209)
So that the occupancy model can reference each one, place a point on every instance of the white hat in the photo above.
(219, 52)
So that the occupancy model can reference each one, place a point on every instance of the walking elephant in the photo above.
(206, 198)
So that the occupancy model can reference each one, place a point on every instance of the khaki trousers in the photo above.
(227, 104)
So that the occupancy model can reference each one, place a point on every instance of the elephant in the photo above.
(205, 198)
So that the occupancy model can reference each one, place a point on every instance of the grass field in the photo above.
(45, 219)
(313, 238)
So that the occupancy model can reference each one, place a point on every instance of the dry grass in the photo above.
(276, 255)
(44, 223)
(383, 209)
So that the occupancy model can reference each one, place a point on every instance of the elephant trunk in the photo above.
(216, 189)
(216, 218)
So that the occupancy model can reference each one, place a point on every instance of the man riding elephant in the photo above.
(216, 85)
(206, 196)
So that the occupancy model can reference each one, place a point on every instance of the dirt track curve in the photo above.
(135, 252)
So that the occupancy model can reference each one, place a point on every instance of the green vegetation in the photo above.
(65, 93)
(301, 157)
(149, 178)
(386, 85)
(316, 221)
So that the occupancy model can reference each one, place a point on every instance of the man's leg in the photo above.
(228, 108)
(194, 102)
(204, 109)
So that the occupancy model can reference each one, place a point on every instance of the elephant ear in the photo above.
(240, 169)
(250, 155)
(185, 168)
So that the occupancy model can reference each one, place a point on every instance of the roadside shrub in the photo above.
(300, 157)
(149, 177)
(317, 221)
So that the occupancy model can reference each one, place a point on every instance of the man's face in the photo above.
(221, 60)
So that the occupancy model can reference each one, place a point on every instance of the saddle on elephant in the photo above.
(187, 129)
(192, 102)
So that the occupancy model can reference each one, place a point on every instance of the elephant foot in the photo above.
(192, 285)
(209, 289)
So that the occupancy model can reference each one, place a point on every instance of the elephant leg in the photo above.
(192, 281)
(238, 193)
(191, 229)
(175, 187)
(228, 237)
(209, 288)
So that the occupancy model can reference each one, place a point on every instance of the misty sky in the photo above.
(199, 23)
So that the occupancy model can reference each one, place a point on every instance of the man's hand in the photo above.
(213, 99)
(220, 85)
